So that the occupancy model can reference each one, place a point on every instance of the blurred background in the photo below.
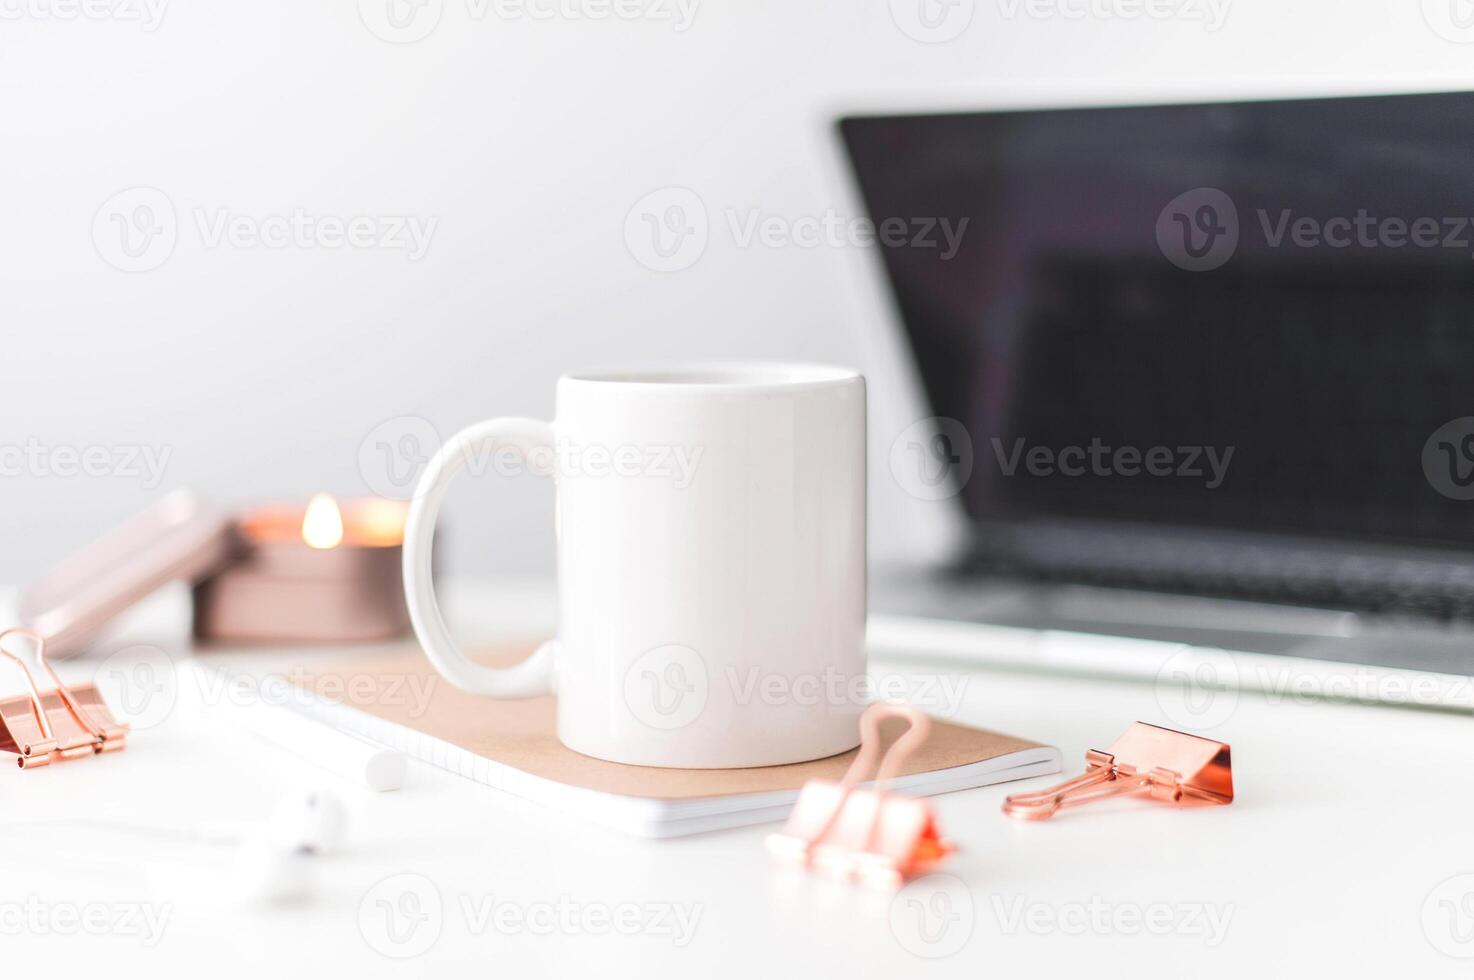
(269, 249)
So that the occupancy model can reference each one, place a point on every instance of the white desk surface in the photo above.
(1335, 858)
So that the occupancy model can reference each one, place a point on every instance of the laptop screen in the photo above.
(1247, 316)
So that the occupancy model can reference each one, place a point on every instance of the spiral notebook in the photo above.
(401, 702)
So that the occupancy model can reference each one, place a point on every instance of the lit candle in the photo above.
(322, 525)
(319, 573)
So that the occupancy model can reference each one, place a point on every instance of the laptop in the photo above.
(1198, 378)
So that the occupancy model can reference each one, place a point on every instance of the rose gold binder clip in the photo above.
(1164, 764)
(64, 723)
(866, 835)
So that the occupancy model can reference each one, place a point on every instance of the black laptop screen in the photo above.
(1254, 316)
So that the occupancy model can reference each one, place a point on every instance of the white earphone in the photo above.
(273, 866)
(310, 822)
(273, 862)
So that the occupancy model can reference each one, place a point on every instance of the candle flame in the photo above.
(322, 526)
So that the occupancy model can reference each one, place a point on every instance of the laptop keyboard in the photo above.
(1426, 590)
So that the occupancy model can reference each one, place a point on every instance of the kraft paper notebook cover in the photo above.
(515, 748)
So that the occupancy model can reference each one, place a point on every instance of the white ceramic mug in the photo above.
(711, 563)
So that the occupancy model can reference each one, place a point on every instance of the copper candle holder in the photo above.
(313, 574)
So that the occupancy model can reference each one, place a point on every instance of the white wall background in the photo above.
(262, 370)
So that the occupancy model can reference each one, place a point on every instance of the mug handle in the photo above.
(533, 676)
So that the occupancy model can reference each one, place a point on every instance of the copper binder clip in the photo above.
(64, 723)
(1167, 765)
(871, 836)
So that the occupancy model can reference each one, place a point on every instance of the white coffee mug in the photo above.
(711, 563)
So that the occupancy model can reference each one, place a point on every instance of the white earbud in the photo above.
(264, 873)
(274, 866)
(313, 822)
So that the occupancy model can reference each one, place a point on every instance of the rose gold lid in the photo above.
(180, 538)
